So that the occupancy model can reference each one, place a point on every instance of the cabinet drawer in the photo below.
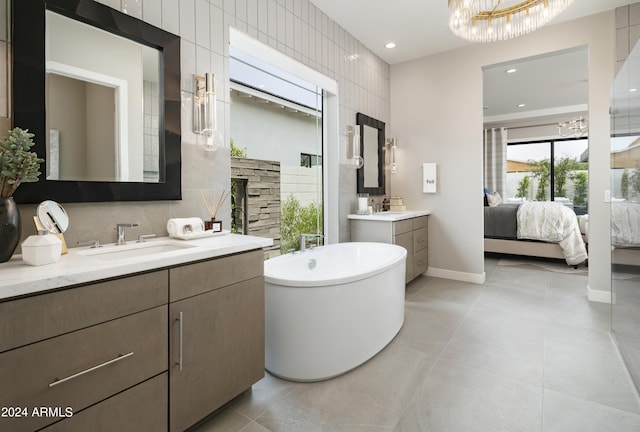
(406, 241)
(193, 279)
(142, 408)
(81, 368)
(420, 262)
(420, 222)
(32, 319)
(420, 239)
(402, 226)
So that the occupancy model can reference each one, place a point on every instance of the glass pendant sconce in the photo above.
(392, 146)
(358, 161)
(205, 124)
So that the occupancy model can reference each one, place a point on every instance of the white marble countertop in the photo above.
(391, 216)
(78, 266)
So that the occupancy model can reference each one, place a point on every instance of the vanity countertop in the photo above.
(391, 216)
(78, 266)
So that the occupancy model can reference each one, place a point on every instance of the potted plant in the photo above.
(17, 165)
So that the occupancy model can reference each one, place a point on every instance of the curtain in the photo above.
(495, 160)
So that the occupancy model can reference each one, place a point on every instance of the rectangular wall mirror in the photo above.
(101, 92)
(371, 175)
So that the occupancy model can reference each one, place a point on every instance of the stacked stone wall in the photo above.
(263, 198)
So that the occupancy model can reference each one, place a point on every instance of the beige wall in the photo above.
(436, 114)
(295, 28)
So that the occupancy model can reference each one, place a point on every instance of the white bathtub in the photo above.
(332, 308)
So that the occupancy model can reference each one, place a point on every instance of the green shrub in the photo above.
(297, 219)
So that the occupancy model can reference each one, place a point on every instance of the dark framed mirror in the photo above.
(69, 57)
(372, 139)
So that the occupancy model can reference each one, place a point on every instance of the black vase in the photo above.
(10, 228)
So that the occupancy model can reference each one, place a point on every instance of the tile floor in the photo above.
(525, 351)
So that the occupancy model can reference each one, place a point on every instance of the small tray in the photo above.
(197, 235)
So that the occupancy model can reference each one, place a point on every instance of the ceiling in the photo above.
(419, 27)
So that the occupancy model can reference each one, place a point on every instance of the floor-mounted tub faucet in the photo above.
(303, 240)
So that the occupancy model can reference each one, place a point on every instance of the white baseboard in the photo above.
(478, 278)
(598, 295)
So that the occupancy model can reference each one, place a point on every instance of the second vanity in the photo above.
(155, 340)
(409, 229)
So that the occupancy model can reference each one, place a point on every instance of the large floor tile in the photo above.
(501, 343)
(572, 307)
(568, 414)
(263, 394)
(225, 420)
(585, 363)
(465, 293)
(429, 326)
(526, 299)
(455, 398)
(370, 397)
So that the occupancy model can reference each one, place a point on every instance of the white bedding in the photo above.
(555, 223)
(625, 224)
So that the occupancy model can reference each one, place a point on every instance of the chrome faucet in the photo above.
(120, 227)
(303, 240)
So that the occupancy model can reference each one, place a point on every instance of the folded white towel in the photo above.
(183, 226)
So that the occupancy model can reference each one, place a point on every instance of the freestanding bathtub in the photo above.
(332, 308)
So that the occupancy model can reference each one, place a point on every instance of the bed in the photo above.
(540, 229)
(625, 233)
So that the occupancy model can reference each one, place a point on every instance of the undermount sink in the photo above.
(134, 250)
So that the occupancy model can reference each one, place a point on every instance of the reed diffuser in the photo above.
(213, 208)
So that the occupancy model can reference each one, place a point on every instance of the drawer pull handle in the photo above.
(101, 365)
(421, 241)
(180, 342)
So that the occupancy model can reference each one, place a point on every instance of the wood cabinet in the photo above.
(216, 335)
(153, 352)
(77, 348)
(411, 233)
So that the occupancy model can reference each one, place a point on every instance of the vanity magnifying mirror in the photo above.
(371, 175)
(101, 92)
(52, 217)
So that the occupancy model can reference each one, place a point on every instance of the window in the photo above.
(555, 170)
(278, 117)
(310, 160)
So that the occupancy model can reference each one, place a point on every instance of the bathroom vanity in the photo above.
(157, 341)
(409, 229)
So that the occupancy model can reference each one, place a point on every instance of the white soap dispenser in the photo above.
(41, 249)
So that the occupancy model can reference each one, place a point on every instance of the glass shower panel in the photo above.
(625, 212)
(277, 118)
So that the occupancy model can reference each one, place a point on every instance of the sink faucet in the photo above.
(120, 227)
(303, 240)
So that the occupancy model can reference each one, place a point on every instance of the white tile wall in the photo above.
(627, 31)
(296, 28)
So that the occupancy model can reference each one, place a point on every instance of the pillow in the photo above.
(484, 194)
(494, 199)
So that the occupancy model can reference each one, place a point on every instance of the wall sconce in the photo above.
(205, 124)
(392, 164)
(358, 161)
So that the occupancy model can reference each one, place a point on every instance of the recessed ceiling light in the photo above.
(633, 90)
(522, 105)
(390, 45)
(510, 71)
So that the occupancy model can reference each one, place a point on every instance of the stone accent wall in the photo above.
(263, 198)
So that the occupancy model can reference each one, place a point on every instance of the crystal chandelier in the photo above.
(576, 127)
(494, 20)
